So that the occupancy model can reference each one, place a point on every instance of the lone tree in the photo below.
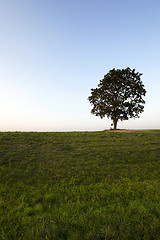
(119, 95)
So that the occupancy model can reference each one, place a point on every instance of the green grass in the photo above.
(80, 185)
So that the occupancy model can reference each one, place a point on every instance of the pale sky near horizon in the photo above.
(53, 52)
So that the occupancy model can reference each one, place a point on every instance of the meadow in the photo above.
(80, 185)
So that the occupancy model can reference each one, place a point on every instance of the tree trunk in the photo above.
(115, 124)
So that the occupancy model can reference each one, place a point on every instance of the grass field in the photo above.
(80, 185)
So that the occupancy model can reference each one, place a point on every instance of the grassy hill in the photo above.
(80, 185)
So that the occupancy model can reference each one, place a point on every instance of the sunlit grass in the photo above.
(99, 185)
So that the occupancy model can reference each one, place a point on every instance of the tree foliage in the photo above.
(119, 95)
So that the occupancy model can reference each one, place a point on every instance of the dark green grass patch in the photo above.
(80, 185)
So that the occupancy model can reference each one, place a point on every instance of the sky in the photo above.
(53, 52)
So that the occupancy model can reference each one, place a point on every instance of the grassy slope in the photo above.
(88, 185)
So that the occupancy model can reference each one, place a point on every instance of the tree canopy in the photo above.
(119, 95)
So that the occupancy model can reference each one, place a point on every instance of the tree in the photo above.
(119, 95)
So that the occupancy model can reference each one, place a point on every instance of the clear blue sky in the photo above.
(53, 52)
